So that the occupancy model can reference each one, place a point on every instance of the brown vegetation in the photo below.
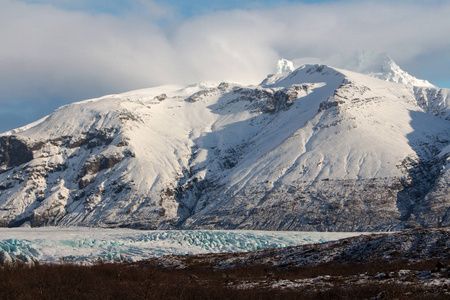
(146, 280)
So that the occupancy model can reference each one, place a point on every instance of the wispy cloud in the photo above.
(58, 51)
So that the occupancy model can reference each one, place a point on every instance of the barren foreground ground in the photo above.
(406, 265)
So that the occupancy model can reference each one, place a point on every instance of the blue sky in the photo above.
(184, 8)
(56, 52)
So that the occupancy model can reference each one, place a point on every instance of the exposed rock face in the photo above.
(13, 152)
(340, 205)
(314, 149)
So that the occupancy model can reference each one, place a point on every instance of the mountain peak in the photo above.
(314, 73)
(381, 66)
(373, 64)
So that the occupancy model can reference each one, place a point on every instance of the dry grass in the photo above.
(147, 281)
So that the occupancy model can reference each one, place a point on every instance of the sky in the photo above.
(54, 52)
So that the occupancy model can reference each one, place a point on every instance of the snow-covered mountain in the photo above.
(319, 148)
(374, 64)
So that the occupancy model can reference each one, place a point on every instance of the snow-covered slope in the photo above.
(319, 148)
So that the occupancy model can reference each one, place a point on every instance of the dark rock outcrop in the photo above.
(13, 152)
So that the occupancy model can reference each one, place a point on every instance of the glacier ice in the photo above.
(90, 245)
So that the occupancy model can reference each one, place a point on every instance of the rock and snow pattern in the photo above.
(318, 148)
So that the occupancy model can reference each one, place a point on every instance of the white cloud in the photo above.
(48, 52)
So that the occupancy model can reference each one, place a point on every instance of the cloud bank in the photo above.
(52, 55)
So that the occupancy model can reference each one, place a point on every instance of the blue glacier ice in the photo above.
(90, 245)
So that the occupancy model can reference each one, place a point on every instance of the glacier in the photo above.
(93, 245)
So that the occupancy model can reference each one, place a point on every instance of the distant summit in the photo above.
(381, 66)
(373, 64)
